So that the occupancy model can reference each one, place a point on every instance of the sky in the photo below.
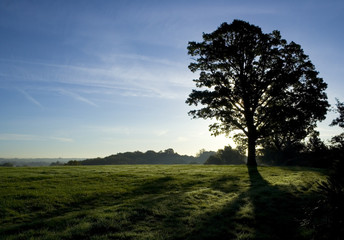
(93, 78)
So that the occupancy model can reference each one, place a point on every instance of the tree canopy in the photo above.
(257, 83)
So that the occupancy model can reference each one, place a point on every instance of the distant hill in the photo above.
(34, 162)
(150, 157)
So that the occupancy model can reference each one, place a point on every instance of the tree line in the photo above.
(168, 156)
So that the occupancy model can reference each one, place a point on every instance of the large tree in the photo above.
(255, 82)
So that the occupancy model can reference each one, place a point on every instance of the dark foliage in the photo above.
(313, 153)
(289, 155)
(227, 156)
(300, 155)
(338, 141)
(256, 83)
(326, 217)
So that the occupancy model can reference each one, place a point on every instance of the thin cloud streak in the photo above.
(30, 98)
(62, 139)
(144, 77)
(29, 137)
(77, 97)
(162, 133)
(109, 130)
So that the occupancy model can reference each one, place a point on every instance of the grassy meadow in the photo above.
(155, 202)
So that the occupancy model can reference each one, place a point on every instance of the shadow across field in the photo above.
(262, 212)
(275, 209)
(237, 205)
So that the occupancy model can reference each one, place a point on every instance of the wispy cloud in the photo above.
(30, 98)
(77, 97)
(110, 130)
(138, 58)
(62, 139)
(161, 133)
(30, 137)
(123, 74)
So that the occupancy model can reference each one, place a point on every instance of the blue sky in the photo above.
(93, 78)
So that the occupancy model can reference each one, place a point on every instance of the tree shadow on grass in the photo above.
(263, 211)
(275, 209)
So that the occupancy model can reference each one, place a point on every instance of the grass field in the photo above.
(155, 202)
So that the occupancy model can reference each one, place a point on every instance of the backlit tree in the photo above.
(255, 82)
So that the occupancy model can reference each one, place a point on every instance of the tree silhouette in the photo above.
(256, 83)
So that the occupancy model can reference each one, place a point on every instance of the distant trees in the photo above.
(57, 163)
(257, 84)
(226, 156)
(73, 163)
(6, 164)
(169, 151)
(168, 156)
(203, 155)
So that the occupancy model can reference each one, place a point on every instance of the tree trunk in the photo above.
(251, 157)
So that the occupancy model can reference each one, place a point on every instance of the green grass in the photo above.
(155, 202)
